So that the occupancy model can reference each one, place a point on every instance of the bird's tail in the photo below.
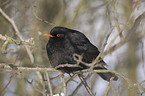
(107, 75)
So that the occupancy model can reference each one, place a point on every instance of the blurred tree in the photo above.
(107, 24)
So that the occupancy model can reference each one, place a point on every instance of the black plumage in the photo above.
(62, 46)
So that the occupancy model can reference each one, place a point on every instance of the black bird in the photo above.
(64, 47)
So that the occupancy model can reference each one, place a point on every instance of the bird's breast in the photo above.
(60, 53)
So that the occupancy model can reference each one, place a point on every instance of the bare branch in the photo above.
(3, 89)
(11, 40)
(133, 29)
(6, 66)
(64, 84)
(86, 85)
(17, 33)
(76, 89)
(49, 83)
(109, 85)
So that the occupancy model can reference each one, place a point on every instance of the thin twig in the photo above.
(38, 18)
(104, 71)
(17, 33)
(127, 37)
(44, 90)
(59, 87)
(21, 38)
(76, 89)
(49, 83)
(11, 40)
(116, 19)
(109, 85)
(110, 49)
(3, 89)
(6, 66)
(86, 85)
(135, 25)
(64, 84)
(38, 90)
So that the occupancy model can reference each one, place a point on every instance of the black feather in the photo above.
(61, 49)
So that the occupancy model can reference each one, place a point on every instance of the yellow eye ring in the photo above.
(58, 35)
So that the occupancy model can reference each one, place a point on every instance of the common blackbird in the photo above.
(66, 47)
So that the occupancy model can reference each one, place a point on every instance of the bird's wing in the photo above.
(83, 45)
(79, 41)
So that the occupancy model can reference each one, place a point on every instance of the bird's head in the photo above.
(57, 32)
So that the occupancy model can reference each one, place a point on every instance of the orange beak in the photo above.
(49, 35)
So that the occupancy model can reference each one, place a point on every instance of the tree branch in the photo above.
(8, 66)
(49, 83)
(18, 34)
(86, 85)
(133, 29)
(109, 85)
(64, 84)
(11, 40)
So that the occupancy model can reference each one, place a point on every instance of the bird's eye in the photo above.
(58, 35)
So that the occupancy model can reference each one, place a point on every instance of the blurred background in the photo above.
(99, 20)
